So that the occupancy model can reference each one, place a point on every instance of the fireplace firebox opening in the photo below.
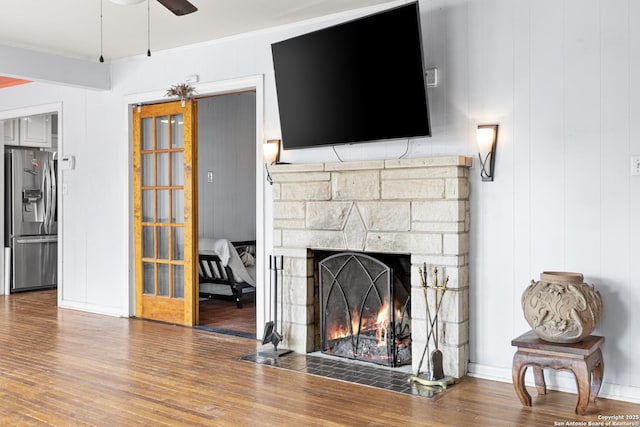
(365, 306)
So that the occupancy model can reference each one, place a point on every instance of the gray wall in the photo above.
(226, 147)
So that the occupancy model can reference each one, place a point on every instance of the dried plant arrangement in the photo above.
(183, 91)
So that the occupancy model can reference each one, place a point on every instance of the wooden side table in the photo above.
(584, 359)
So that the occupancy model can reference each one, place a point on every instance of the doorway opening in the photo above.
(226, 198)
(252, 84)
(31, 201)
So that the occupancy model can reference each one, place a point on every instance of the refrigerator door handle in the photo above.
(36, 240)
(46, 187)
(54, 195)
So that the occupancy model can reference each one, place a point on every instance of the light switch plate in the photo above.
(635, 165)
(432, 77)
(68, 162)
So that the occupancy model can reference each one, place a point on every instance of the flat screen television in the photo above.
(360, 81)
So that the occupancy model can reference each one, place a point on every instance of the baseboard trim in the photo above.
(91, 308)
(556, 380)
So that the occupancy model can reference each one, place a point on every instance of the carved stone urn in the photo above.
(561, 308)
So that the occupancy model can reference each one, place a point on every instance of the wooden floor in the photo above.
(68, 368)
(224, 314)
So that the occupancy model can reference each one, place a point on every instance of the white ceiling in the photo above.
(72, 27)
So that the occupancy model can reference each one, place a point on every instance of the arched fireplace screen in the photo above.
(365, 310)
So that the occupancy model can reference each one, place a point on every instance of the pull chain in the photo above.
(101, 57)
(148, 29)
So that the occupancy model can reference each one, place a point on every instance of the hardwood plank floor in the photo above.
(68, 368)
(224, 314)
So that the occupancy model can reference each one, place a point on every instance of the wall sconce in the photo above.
(487, 138)
(271, 155)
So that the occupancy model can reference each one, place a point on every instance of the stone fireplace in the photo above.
(416, 207)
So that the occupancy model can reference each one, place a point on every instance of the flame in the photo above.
(382, 323)
(378, 323)
(355, 322)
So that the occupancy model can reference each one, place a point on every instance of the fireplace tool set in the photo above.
(434, 379)
(271, 334)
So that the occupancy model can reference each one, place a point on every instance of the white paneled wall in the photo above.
(561, 77)
(560, 81)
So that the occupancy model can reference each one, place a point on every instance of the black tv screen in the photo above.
(363, 80)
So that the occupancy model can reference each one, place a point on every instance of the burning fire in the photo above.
(377, 324)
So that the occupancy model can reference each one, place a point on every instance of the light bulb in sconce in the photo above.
(487, 138)
(271, 151)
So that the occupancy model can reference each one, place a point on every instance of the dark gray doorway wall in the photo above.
(227, 166)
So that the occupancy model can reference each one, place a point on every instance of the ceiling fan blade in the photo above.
(178, 7)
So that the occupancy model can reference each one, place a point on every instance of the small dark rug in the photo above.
(372, 376)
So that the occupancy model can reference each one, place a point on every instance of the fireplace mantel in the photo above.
(415, 206)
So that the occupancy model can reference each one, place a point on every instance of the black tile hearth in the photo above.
(358, 373)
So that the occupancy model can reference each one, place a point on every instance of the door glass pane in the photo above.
(147, 242)
(148, 279)
(177, 169)
(178, 243)
(163, 242)
(177, 216)
(147, 170)
(178, 281)
(163, 280)
(162, 169)
(148, 206)
(163, 205)
(147, 134)
(177, 131)
(162, 132)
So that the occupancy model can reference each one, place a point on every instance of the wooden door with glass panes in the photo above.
(165, 143)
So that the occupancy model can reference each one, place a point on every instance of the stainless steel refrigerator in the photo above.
(31, 219)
